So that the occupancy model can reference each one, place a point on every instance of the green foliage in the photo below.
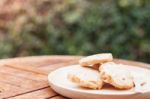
(84, 27)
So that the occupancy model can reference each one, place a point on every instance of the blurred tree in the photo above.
(78, 27)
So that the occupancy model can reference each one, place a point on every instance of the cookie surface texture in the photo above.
(116, 75)
(86, 77)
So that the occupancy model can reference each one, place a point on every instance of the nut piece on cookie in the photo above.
(141, 81)
(86, 78)
(117, 75)
(96, 59)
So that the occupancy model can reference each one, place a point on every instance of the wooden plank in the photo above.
(6, 87)
(133, 63)
(23, 74)
(21, 71)
(59, 97)
(20, 91)
(40, 94)
(36, 61)
(49, 68)
(45, 71)
(28, 81)
(27, 68)
(36, 70)
(19, 82)
(35, 93)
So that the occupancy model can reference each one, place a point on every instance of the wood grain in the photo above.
(36, 61)
(26, 75)
(50, 68)
(39, 94)
(21, 91)
(59, 97)
(6, 87)
(23, 74)
(27, 68)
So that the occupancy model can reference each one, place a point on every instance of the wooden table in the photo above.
(26, 78)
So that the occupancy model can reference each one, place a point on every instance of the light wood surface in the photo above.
(26, 78)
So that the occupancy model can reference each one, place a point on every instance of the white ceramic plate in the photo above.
(59, 82)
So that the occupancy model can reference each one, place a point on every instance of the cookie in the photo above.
(86, 77)
(117, 75)
(96, 59)
(141, 81)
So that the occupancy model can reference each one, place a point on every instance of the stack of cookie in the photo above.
(101, 70)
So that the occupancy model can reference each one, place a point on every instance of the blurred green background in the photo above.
(75, 27)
